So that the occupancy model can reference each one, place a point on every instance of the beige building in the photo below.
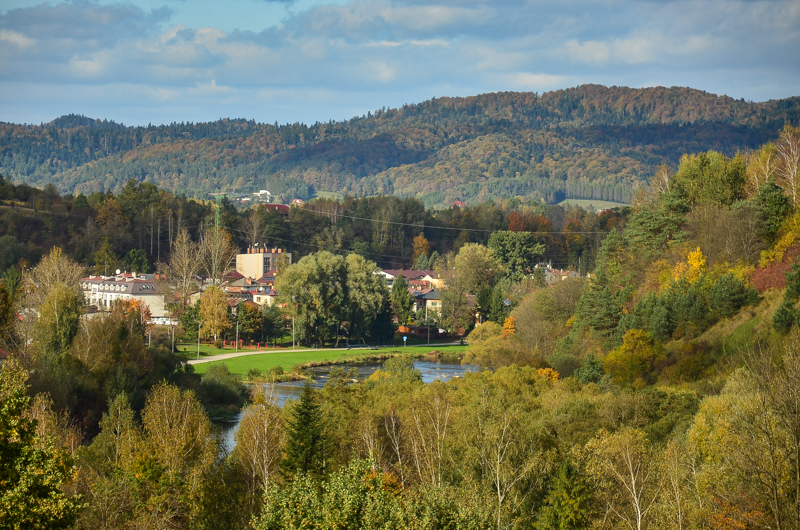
(258, 261)
(102, 291)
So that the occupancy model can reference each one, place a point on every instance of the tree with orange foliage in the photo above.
(509, 327)
(517, 223)
(422, 247)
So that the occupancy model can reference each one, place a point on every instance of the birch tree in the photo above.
(626, 470)
(788, 168)
(259, 441)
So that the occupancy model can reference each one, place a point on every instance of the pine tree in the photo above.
(306, 440)
(786, 315)
(590, 371)
(727, 295)
(773, 207)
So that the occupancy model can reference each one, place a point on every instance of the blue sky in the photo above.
(158, 61)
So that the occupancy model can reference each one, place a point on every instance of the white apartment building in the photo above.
(102, 291)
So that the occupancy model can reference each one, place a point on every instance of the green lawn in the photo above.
(206, 350)
(598, 205)
(288, 358)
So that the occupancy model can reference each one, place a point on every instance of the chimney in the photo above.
(279, 251)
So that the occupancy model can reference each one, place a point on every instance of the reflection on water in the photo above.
(439, 370)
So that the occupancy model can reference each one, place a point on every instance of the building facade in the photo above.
(102, 291)
(259, 261)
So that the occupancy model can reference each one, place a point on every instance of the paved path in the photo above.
(223, 356)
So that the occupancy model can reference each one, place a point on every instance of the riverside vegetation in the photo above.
(659, 392)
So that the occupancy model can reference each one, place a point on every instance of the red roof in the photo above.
(4, 354)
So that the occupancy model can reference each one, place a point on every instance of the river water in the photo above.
(439, 370)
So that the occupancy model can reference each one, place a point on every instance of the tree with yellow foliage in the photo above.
(693, 268)
(214, 313)
(633, 361)
(509, 327)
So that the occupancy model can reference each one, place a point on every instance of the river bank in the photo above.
(296, 361)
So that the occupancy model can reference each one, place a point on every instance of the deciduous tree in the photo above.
(214, 312)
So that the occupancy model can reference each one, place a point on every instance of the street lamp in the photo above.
(198, 336)
(294, 310)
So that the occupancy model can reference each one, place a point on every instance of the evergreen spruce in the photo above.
(498, 309)
(306, 440)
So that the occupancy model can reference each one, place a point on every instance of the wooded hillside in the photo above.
(589, 142)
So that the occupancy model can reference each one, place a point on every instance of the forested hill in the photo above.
(588, 142)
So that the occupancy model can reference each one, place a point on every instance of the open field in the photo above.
(207, 350)
(598, 205)
(288, 358)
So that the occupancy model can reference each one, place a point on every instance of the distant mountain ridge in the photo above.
(588, 142)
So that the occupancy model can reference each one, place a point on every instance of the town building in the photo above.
(257, 262)
(102, 291)
(415, 278)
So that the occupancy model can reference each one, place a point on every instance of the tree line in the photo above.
(589, 142)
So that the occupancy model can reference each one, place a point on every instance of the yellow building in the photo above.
(258, 261)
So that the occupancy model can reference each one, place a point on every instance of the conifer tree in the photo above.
(786, 315)
(306, 440)
(773, 207)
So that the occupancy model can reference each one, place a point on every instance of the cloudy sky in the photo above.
(158, 61)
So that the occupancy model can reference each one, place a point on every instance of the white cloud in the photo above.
(17, 39)
(363, 54)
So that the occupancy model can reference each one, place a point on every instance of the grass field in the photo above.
(287, 358)
(207, 350)
(598, 205)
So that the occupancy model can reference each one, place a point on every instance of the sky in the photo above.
(286, 61)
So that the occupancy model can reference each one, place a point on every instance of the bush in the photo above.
(218, 344)
(220, 388)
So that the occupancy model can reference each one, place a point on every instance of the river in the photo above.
(441, 370)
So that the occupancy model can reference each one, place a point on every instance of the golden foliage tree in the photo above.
(214, 312)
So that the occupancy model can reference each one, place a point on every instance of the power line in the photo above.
(309, 245)
(432, 227)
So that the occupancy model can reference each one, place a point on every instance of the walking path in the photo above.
(223, 356)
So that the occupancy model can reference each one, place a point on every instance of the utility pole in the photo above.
(198, 338)
(294, 310)
(237, 331)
